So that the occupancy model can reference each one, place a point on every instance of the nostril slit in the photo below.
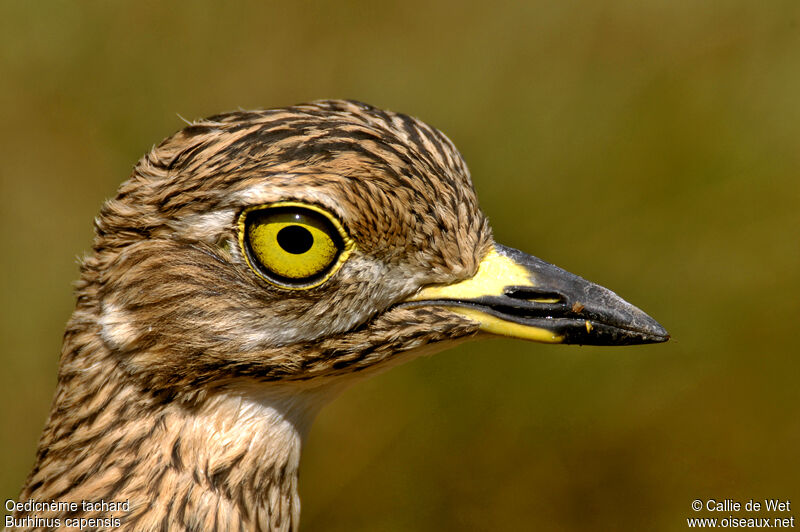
(533, 295)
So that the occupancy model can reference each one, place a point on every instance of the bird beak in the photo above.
(514, 294)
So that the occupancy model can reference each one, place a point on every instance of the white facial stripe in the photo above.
(206, 227)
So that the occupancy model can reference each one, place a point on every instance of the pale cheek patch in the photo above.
(255, 339)
(116, 327)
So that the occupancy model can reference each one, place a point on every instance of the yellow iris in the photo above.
(292, 245)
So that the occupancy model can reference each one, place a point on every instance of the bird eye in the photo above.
(291, 244)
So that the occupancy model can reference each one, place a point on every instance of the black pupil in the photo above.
(295, 239)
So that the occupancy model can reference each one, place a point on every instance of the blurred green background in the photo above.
(651, 146)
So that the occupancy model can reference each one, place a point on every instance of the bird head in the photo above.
(312, 243)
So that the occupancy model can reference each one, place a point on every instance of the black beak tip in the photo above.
(648, 331)
(647, 328)
(660, 334)
(656, 337)
(616, 322)
(606, 334)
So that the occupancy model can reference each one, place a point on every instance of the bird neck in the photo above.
(243, 449)
(229, 461)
